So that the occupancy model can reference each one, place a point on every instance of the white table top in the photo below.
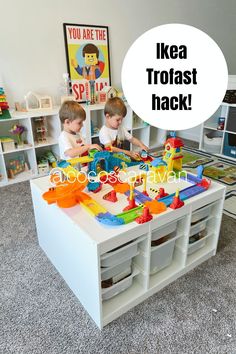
(95, 230)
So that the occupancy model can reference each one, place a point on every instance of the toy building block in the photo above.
(94, 187)
(161, 193)
(145, 217)
(177, 202)
(4, 112)
(111, 197)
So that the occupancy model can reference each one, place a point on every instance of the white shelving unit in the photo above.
(151, 136)
(227, 146)
(95, 119)
(227, 111)
(32, 150)
(80, 247)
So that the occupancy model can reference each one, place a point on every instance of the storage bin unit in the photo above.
(226, 111)
(112, 252)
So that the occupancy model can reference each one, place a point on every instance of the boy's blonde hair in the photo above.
(71, 110)
(114, 106)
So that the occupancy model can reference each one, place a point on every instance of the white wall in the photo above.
(32, 52)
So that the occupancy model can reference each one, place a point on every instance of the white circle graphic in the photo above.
(174, 76)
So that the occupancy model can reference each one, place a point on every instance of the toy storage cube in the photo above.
(161, 256)
(213, 142)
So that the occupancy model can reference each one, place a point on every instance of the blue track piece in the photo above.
(63, 164)
(191, 192)
(186, 193)
(191, 179)
(139, 196)
(109, 219)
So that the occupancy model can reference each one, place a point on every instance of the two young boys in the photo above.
(112, 134)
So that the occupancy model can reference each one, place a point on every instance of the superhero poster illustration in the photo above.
(87, 54)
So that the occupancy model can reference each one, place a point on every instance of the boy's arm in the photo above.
(75, 152)
(138, 143)
(134, 155)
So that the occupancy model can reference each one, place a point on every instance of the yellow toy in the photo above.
(171, 162)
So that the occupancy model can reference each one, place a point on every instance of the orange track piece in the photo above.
(65, 194)
(121, 187)
(155, 207)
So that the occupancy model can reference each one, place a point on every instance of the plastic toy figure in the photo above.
(92, 69)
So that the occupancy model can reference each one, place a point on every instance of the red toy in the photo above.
(177, 202)
(161, 194)
(145, 217)
(111, 196)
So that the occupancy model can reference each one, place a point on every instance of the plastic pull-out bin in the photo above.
(119, 255)
(196, 246)
(198, 228)
(118, 287)
(161, 256)
(213, 142)
(201, 214)
(114, 272)
(164, 231)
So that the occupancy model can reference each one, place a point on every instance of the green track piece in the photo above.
(130, 215)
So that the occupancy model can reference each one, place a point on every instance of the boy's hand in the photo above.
(134, 155)
(144, 147)
(95, 146)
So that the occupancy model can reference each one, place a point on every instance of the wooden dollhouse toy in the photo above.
(110, 92)
(40, 129)
(35, 101)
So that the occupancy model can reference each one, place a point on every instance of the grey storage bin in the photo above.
(164, 230)
(197, 228)
(213, 142)
(196, 246)
(111, 272)
(200, 214)
(117, 288)
(161, 256)
(119, 255)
